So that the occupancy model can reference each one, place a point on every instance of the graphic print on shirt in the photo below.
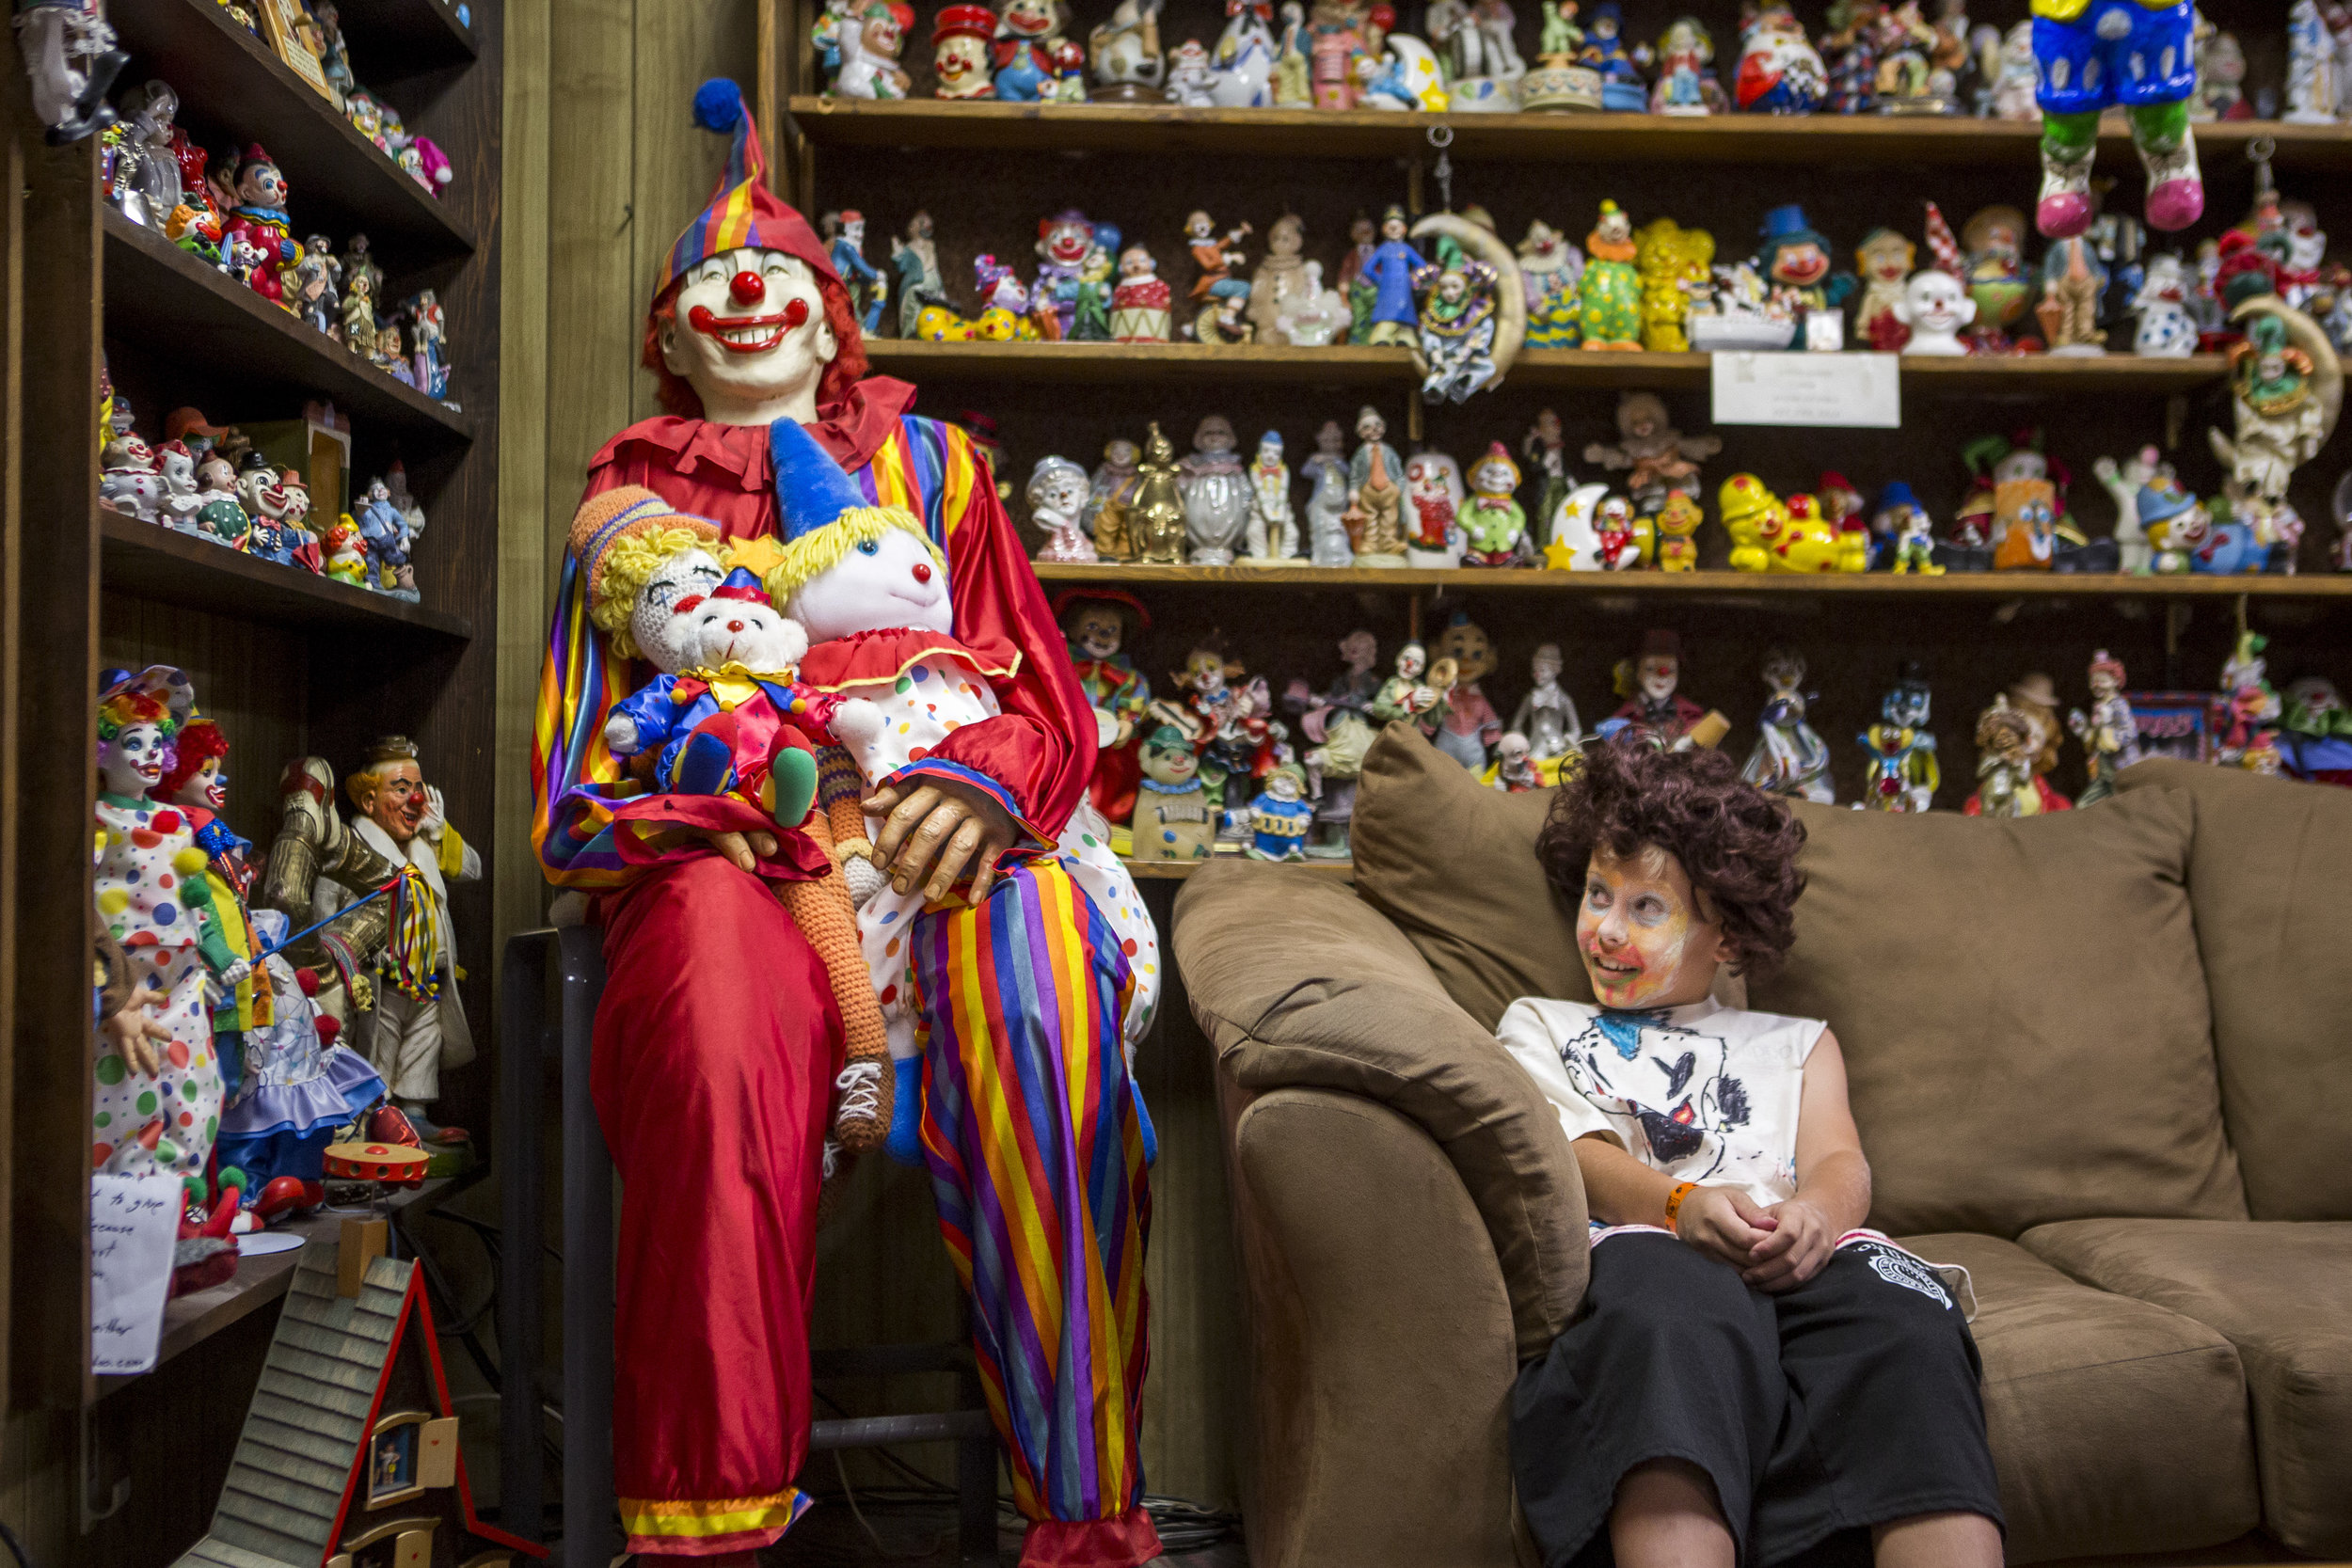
(1668, 1077)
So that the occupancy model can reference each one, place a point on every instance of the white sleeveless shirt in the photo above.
(1704, 1093)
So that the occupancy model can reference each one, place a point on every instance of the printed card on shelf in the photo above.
(135, 1225)
(1835, 391)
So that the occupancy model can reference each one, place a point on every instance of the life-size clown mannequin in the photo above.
(710, 980)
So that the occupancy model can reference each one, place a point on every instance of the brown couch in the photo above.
(2104, 1059)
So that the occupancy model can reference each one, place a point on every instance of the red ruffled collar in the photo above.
(852, 430)
(868, 658)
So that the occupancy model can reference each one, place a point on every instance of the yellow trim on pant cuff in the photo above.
(645, 1516)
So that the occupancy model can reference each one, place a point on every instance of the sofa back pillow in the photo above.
(2270, 878)
(2023, 1012)
(1452, 863)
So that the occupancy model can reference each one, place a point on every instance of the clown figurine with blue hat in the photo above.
(1796, 260)
(2140, 56)
(713, 978)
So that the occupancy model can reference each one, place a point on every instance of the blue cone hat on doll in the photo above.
(821, 513)
(740, 584)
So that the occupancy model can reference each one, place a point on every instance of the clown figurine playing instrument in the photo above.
(711, 979)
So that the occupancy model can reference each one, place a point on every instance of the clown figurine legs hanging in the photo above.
(2137, 55)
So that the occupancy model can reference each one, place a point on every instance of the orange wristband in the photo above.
(1674, 1203)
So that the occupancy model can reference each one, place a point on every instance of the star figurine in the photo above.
(1559, 557)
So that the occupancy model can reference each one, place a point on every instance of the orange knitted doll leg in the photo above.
(839, 788)
(821, 910)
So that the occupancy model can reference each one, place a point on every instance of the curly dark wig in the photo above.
(1737, 844)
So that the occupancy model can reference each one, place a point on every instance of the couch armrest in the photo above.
(1381, 1344)
(1298, 984)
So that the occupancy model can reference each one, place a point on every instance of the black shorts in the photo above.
(1849, 1401)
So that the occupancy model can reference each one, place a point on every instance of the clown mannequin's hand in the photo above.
(136, 1032)
(936, 832)
(434, 818)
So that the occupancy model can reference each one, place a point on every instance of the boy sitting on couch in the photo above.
(1753, 1377)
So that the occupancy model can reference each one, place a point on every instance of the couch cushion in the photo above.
(2282, 1293)
(2022, 1010)
(2117, 1426)
(2266, 878)
(1452, 863)
(1299, 984)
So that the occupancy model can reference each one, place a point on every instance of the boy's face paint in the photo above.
(1645, 941)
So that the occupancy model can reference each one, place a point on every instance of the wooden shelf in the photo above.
(267, 361)
(1176, 871)
(1160, 130)
(150, 562)
(1715, 584)
(1159, 363)
(389, 39)
(339, 182)
(1208, 364)
(191, 1320)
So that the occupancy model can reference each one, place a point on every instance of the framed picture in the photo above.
(393, 1471)
(2179, 725)
(288, 26)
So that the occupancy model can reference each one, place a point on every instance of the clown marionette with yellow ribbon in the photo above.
(1029, 1119)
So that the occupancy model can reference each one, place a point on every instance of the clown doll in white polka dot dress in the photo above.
(888, 681)
(157, 1103)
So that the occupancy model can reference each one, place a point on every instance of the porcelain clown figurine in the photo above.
(1904, 774)
(1102, 625)
(1057, 498)
(1273, 532)
(1791, 757)
(2135, 55)
(2110, 734)
(418, 1025)
(710, 977)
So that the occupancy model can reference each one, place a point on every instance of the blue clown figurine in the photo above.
(2140, 56)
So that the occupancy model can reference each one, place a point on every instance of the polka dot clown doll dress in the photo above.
(155, 900)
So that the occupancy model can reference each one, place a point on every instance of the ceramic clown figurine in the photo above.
(2110, 734)
(156, 1106)
(1102, 624)
(1273, 530)
(711, 977)
(418, 1025)
(872, 591)
(197, 783)
(258, 220)
(2140, 56)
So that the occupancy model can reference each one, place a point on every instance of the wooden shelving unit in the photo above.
(338, 181)
(287, 662)
(161, 293)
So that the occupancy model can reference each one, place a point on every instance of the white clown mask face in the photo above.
(131, 763)
(748, 632)
(880, 585)
(666, 636)
(750, 331)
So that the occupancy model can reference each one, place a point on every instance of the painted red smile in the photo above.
(747, 334)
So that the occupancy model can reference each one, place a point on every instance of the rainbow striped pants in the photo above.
(1036, 1154)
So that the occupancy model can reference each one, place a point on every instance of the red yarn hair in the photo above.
(848, 361)
(200, 739)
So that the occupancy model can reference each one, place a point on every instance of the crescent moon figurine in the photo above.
(1511, 291)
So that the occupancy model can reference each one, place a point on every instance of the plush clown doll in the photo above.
(890, 681)
(719, 720)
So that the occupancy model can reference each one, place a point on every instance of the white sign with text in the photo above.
(1835, 391)
(134, 1228)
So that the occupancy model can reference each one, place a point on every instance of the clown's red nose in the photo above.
(748, 289)
(922, 572)
(735, 626)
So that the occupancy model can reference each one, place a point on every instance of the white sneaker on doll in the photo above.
(2176, 187)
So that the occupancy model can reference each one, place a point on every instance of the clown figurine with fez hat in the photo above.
(711, 982)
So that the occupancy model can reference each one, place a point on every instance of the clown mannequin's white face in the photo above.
(879, 585)
(131, 763)
(749, 337)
